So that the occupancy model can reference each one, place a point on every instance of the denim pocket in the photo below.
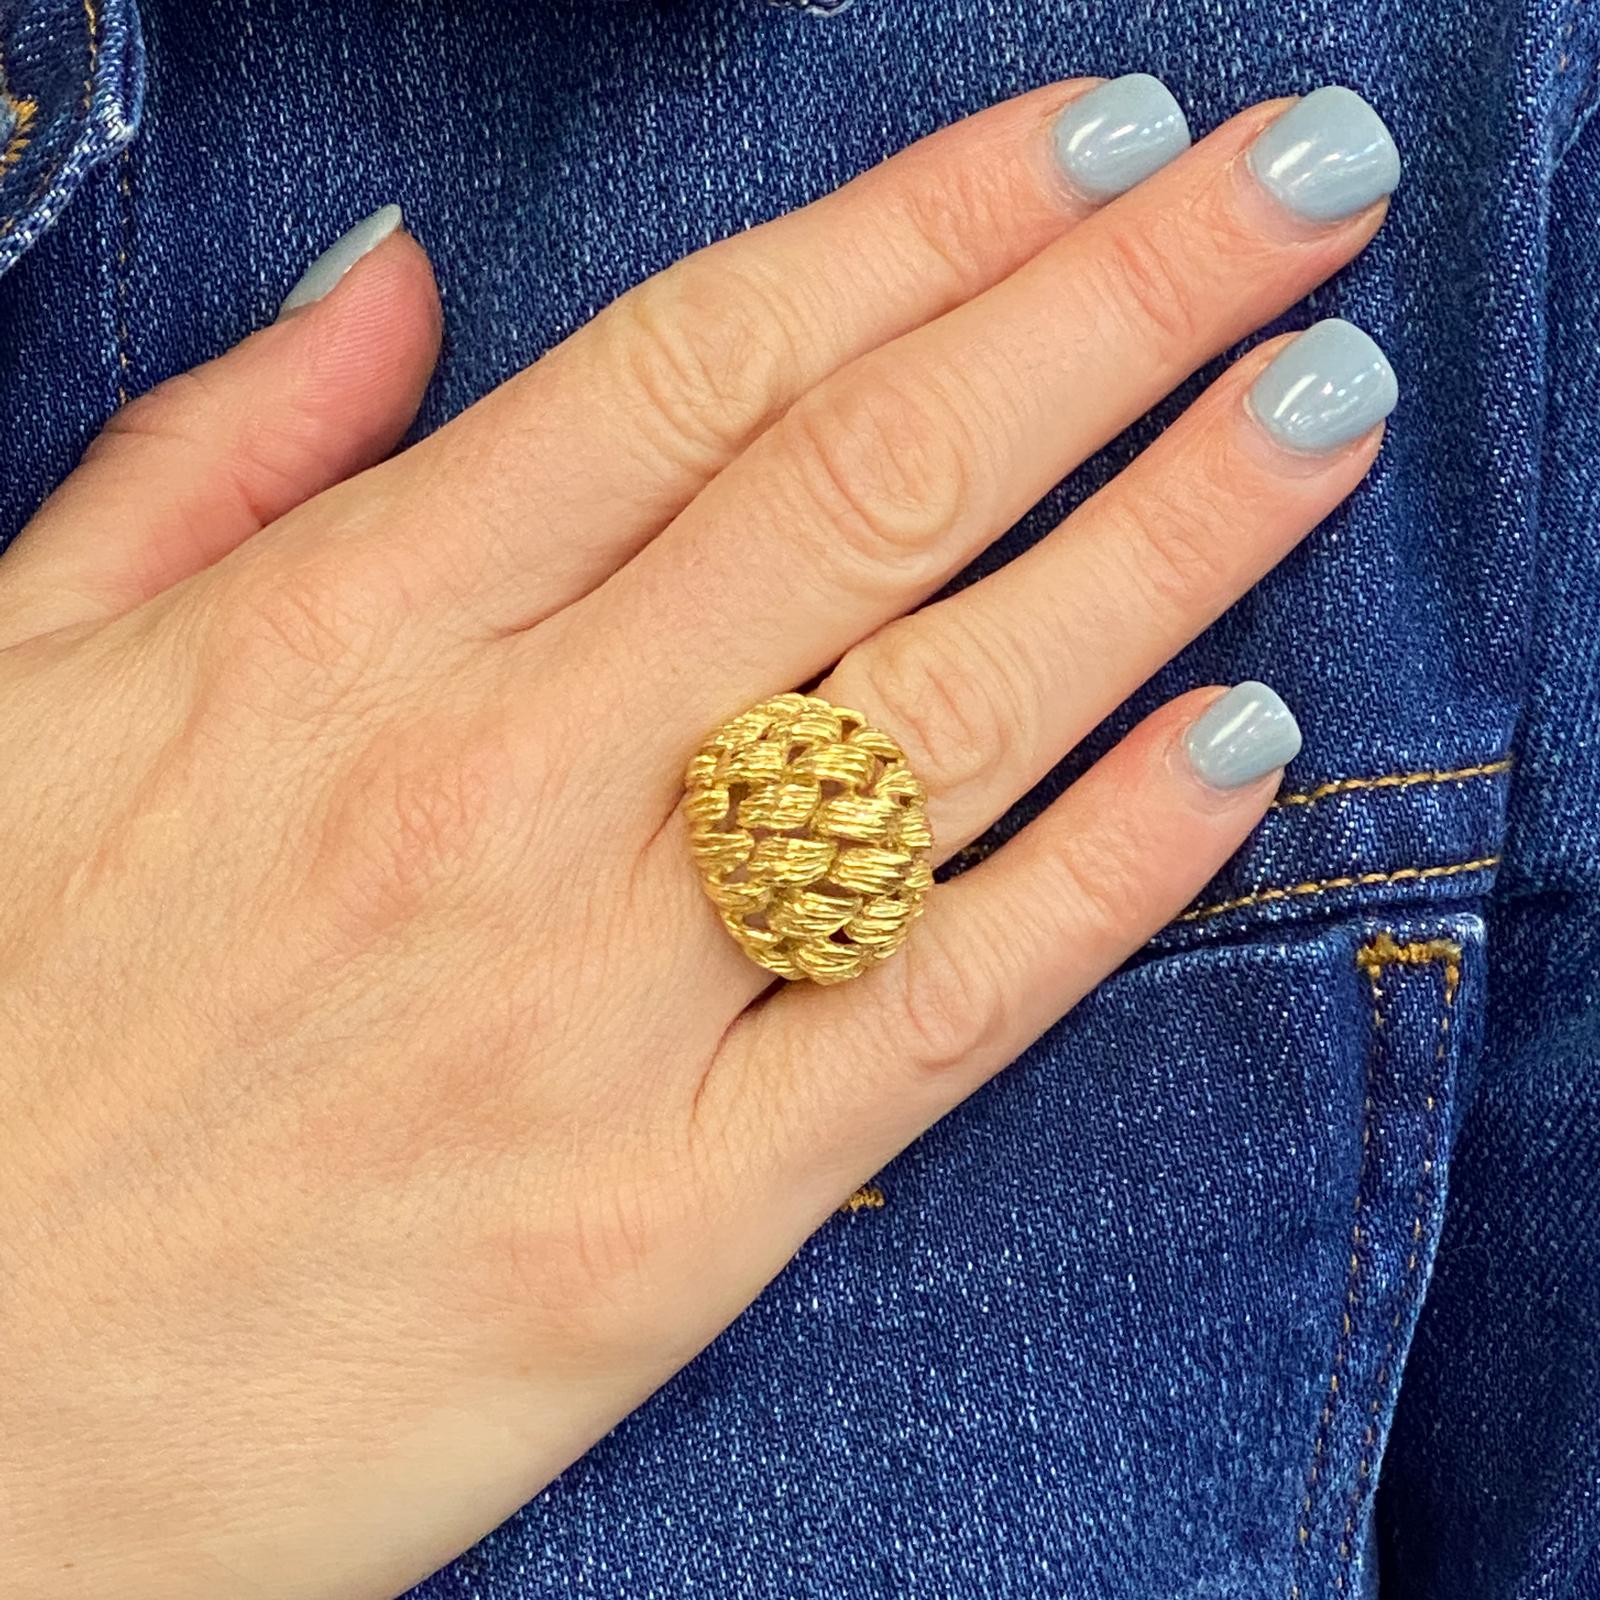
(1130, 1324)
(71, 80)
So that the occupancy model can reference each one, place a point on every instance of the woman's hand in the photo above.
(387, 1112)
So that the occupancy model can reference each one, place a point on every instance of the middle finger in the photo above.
(989, 689)
(887, 478)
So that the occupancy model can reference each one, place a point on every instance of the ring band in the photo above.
(811, 837)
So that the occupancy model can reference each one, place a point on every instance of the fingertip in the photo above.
(1272, 417)
(394, 280)
(1234, 743)
(329, 269)
(220, 452)
(353, 363)
(1324, 391)
(390, 289)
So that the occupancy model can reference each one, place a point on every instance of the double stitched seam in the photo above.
(1359, 880)
(1334, 788)
(1341, 1349)
(1373, 959)
(92, 25)
(1391, 780)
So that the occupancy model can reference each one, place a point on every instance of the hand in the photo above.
(387, 1112)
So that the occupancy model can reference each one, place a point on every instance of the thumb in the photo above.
(190, 470)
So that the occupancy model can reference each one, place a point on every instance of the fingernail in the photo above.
(326, 271)
(1243, 736)
(1330, 386)
(1327, 157)
(1115, 136)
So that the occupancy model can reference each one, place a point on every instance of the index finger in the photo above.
(570, 467)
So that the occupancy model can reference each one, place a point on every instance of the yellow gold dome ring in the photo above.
(811, 837)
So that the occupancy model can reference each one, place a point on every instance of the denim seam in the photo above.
(124, 250)
(1339, 787)
(1383, 952)
(22, 111)
(1341, 1348)
(1584, 51)
(1373, 959)
(982, 848)
(1360, 880)
(9, 224)
(1581, 117)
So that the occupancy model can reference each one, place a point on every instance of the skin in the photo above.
(387, 1112)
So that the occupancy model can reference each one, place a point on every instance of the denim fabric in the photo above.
(71, 77)
(1492, 1484)
(1134, 1322)
(1092, 1345)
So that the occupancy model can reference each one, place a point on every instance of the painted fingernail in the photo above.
(1117, 135)
(326, 271)
(1330, 386)
(1243, 736)
(1327, 157)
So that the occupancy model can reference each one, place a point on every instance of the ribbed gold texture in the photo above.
(811, 836)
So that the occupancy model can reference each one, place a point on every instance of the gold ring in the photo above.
(811, 837)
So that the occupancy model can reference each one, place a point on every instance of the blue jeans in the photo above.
(1274, 1269)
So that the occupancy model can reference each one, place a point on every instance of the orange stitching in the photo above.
(1384, 952)
(1327, 885)
(1392, 780)
(23, 112)
(92, 20)
(981, 849)
(867, 1198)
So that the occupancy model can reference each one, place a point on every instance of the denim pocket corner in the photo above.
(71, 85)
(1131, 1323)
(1422, 981)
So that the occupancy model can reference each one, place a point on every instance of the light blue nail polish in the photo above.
(1327, 157)
(323, 273)
(1331, 385)
(1115, 136)
(1243, 736)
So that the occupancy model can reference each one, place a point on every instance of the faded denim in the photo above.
(1274, 1270)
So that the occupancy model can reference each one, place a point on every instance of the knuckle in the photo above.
(707, 346)
(887, 462)
(1103, 880)
(1177, 545)
(942, 695)
(592, 1239)
(953, 214)
(308, 617)
(299, 637)
(171, 413)
(1148, 284)
(416, 811)
(952, 1004)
